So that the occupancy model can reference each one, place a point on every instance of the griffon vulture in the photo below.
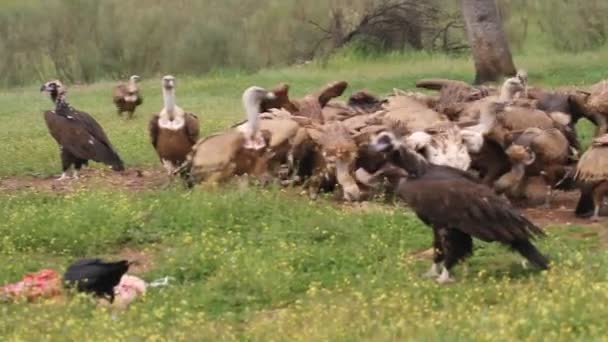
(173, 132)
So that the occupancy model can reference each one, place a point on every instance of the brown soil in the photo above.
(132, 179)
(142, 260)
(561, 212)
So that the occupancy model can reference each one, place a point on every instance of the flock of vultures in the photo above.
(457, 156)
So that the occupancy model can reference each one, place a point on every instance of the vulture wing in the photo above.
(192, 127)
(82, 136)
(153, 129)
(466, 206)
(95, 275)
(119, 92)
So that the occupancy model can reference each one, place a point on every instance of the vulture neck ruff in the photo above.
(487, 121)
(172, 117)
(507, 92)
(131, 95)
(62, 107)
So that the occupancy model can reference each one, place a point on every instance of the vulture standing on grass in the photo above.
(79, 136)
(173, 132)
(96, 276)
(592, 171)
(126, 96)
(457, 207)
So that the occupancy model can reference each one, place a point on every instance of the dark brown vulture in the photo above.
(173, 132)
(126, 96)
(457, 208)
(96, 276)
(79, 136)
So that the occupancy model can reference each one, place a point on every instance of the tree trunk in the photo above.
(488, 41)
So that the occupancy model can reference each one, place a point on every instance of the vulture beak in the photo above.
(43, 88)
(270, 96)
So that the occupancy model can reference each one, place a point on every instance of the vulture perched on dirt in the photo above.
(79, 136)
(173, 132)
(457, 207)
(592, 171)
(96, 276)
(126, 96)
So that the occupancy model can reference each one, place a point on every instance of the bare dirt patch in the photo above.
(131, 179)
(142, 260)
(561, 212)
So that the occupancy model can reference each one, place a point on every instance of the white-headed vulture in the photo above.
(457, 207)
(79, 136)
(173, 132)
(126, 96)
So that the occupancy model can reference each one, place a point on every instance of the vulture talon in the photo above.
(433, 272)
(64, 176)
(445, 277)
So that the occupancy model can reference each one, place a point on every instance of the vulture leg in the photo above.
(456, 246)
(548, 197)
(438, 257)
(584, 207)
(602, 125)
(168, 165)
(131, 114)
(67, 159)
(599, 193)
(78, 163)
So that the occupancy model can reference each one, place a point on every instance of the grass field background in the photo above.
(268, 264)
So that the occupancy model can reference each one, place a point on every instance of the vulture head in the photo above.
(131, 94)
(522, 75)
(168, 82)
(510, 87)
(280, 100)
(54, 88)
(385, 142)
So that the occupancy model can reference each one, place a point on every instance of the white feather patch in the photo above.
(174, 125)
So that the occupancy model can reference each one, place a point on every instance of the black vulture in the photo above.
(95, 276)
(173, 132)
(457, 207)
(79, 136)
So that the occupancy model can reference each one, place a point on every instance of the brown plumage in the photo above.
(243, 149)
(597, 106)
(592, 171)
(173, 132)
(310, 106)
(457, 208)
(335, 156)
(410, 112)
(79, 136)
(535, 152)
(126, 96)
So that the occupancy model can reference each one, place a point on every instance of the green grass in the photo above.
(265, 264)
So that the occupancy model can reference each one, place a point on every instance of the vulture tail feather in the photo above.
(529, 251)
